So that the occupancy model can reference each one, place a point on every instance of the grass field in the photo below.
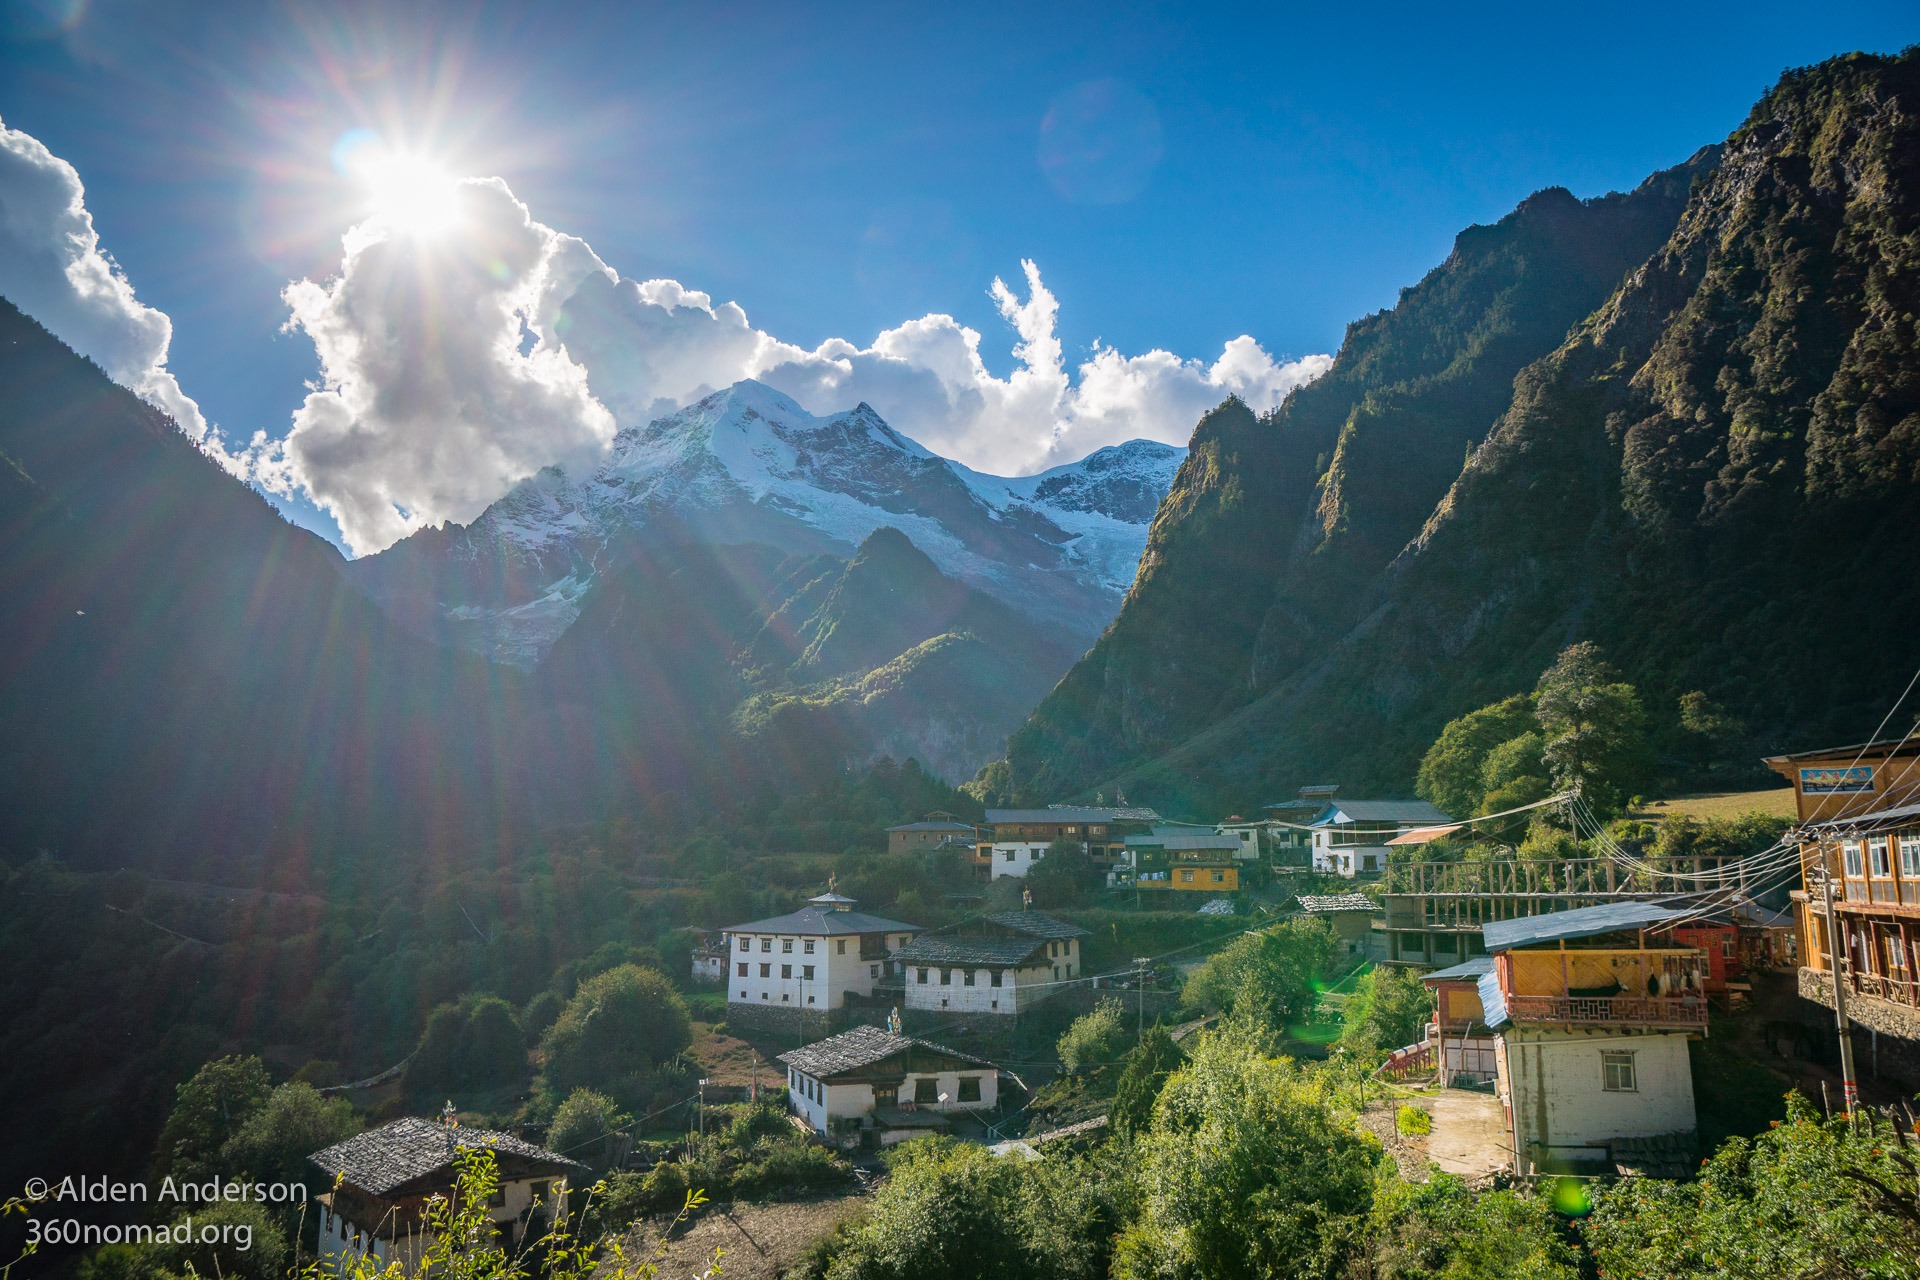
(1775, 802)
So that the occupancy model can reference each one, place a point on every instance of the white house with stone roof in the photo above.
(811, 959)
(384, 1178)
(999, 964)
(867, 1078)
(1350, 836)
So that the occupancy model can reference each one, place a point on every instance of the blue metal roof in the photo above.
(1582, 922)
(1493, 1005)
(1473, 968)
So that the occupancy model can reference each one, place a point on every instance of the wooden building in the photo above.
(1859, 821)
(1181, 860)
(1591, 1011)
(997, 965)
(385, 1177)
(1015, 839)
(935, 830)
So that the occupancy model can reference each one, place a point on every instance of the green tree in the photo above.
(1250, 1170)
(1064, 876)
(1094, 1038)
(1149, 1064)
(1452, 775)
(586, 1128)
(617, 1024)
(1809, 1199)
(947, 1211)
(1514, 773)
(475, 1043)
(1274, 975)
(245, 1244)
(273, 1143)
(1442, 1230)
(1389, 1008)
(1595, 729)
(207, 1111)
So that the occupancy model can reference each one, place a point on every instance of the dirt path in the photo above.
(1469, 1133)
(757, 1241)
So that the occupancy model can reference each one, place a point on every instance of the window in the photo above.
(786, 946)
(746, 944)
(786, 971)
(923, 976)
(840, 948)
(766, 971)
(806, 973)
(809, 946)
(743, 968)
(498, 1198)
(1072, 831)
(1186, 877)
(1050, 947)
(926, 1089)
(969, 1088)
(946, 977)
(1877, 859)
(1910, 857)
(763, 995)
(967, 977)
(1219, 877)
(1850, 859)
(1896, 952)
(1616, 1071)
(743, 995)
(1009, 855)
(766, 944)
(540, 1190)
(873, 971)
(809, 999)
(993, 979)
(1069, 971)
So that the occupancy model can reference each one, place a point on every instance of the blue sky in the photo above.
(838, 170)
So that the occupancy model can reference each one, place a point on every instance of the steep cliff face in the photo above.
(1261, 554)
(1712, 475)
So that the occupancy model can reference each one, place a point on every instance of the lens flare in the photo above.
(408, 193)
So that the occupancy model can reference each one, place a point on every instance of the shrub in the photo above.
(586, 1127)
(617, 1024)
(1411, 1121)
(1094, 1038)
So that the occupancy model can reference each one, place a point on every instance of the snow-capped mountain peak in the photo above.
(749, 464)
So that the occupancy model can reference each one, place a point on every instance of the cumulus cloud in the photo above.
(52, 268)
(437, 390)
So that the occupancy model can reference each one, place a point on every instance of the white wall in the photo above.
(837, 969)
(853, 1100)
(1553, 1082)
(340, 1241)
(1021, 988)
(1025, 854)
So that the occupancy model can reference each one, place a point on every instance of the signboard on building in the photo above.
(1853, 779)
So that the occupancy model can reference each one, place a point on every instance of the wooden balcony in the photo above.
(1684, 1012)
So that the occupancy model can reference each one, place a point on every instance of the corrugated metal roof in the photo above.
(1185, 840)
(931, 826)
(1582, 922)
(1474, 968)
(1874, 820)
(1321, 904)
(812, 921)
(1422, 835)
(1493, 1003)
(1407, 811)
(1070, 813)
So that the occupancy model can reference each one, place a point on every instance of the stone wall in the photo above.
(1886, 1036)
(773, 1021)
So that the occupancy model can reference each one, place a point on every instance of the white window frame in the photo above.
(1851, 865)
(1617, 1071)
(1910, 857)
(1879, 859)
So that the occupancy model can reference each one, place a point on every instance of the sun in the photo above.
(410, 193)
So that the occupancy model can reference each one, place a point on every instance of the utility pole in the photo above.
(1140, 997)
(703, 1107)
(1836, 958)
(753, 1095)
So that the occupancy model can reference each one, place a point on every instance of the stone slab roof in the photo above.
(382, 1160)
(816, 922)
(862, 1046)
(995, 953)
(1037, 924)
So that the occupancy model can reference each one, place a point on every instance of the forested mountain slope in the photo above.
(1710, 475)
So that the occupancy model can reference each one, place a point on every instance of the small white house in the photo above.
(811, 959)
(869, 1079)
(1350, 836)
(999, 964)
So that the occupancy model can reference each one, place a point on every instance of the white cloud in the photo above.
(436, 395)
(52, 268)
(459, 358)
